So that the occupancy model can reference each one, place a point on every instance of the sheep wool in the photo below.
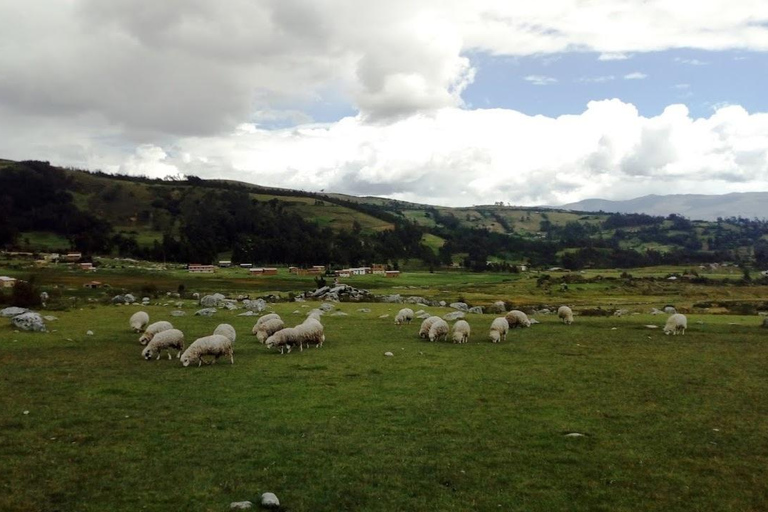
(676, 324)
(165, 340)
(139, 321)
(265, 318)
(439, 329)
(426, 325)
(311, 332)
(499, 328)
(226, 330)
(461, 331)
(215, 345)
(517, 318)
(285, 339)
(565, 314)
(267, 329)
(153, 329)
(404, 316)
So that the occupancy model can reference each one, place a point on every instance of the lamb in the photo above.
(499, 328)
(517, 318)
(426, 325)
(285, 338)
(165, 340)
(565, 314)
(215, 345)
(139, 321)
(266, 329)
(461, 332)
(676, 323)
(404, 316)
(438, 329)
(226, 330)
(153, 329)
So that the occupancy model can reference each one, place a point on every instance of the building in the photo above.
(314, 270)
(73, 257)
(225, 264)
(7, 282)
(196, 268)
(246, 265)
(392, 273)
(266, 271)
(92, 284)
(87, 267)
(378, 268)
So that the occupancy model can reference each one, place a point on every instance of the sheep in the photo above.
(265, 318)
(165, 340)
(404, 316)
(676, 323)
(215, 345)
(267, 329)
(315, 313)
(311, 331)
(226, 330)
(517, 318)
(153, 329)
(499, 328)
(426, 325)
(285, 338)
(438, 329)
(461, 332)
(139, 321)
(565, 314)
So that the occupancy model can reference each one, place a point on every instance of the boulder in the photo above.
(389, 354)
(269, 500)
(247, 313)
(212, 301)
(240, 505)
(29, 321)
(415, 300)
(129, 299)
(497, 307)
(392, 299)
(364, 310)
(461, 306)
(257, 305)
(12, 312)
(206, 312)
(177, 313)
(478, 310)
(325, 306)
(454, 316)
(229, 305)
(670, 310)
(118, 299)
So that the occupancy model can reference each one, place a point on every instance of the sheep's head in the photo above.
(148, 353)
(526, 323)
(145, 338)
(186, 359)
(495, 336)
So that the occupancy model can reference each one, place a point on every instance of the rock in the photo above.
(319, 312)
(240, 505)
(670, 310)
(325, 306)
(574, 434)
(212, 301)
(296, 312)
(620, 312)
(29, 321)
(269, 500)
(497, 307)
(478, 310)
(179, 305)
(178, 313)
(423, 315)
(321, 291)
(129, 299)
(145, 299)
(229, 305)
(50, 318)
(299, 299)
(118, 299)
(206, 312)
(442, 303)
(392, 299)
(12, 312)
(415, 300)
(649, 326)
(655, 311)
(364, 310)
(196, 296)
(247, 313)
(389, 354)
(383, 316)
(340, 313)
(257, 305)
(454, 316)
(461, 306)
(89, 333)
(534, 321)
(543, 311)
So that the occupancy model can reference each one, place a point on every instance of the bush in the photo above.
(25, 294)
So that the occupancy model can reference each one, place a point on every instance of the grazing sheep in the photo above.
(676, 323)
(139, 321)
(499, 328)
(267, 329)
(426, 325)
(165, 340)
(215, 345)
(565, 314)
(404, 316)
(517, 318)
(226, 330)
(285, 338)
(439, 329)
(461, 332)
(315, 313)
(153, 329)
(311, 332)
(266, 318)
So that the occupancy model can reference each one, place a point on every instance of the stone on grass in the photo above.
(649, 326)
(12, 311)
(269, 500)
(383, 316)
(574, 434)
(454, 316)
(129, 298)
(50, 318)
(478, 310)
(240, 505)
(461, 306)
(389, 354)
(89, 333)
(257, 305)
(364, 310)
(29, 321)
(205, 312)
(247, 313)
(339, 313)
(212, 301)
(178, 313)
(325, 306)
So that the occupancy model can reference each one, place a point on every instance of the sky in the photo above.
(442, 102)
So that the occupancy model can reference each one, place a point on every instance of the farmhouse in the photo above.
(93, 284)
(197, 268)
(392, 273)
(87, 266)
(225, 264)
(7, 282)
(314, 270)
(246, 265)
(266, 271)
(378, 268)
(73, 257)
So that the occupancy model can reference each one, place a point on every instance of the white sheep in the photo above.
(266, 329)
(215, 345)
(165, 340)
(461, 332)
(439, 329)
(285, 338)
(426, 325)
(139, 321)
(499, 328)
(315, 313)
(565, 314)
(404, 316)
(153, 329)
(676, 323)
(265, 318)
(226, 330)
(517, 318)
(311, 332)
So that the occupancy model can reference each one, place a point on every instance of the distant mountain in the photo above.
(694, 206)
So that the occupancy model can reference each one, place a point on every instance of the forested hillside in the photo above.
(48, 208)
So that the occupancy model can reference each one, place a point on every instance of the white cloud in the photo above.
(596, 79)
(540, 79)
(636, 75)
(613, 56)
(691, 62)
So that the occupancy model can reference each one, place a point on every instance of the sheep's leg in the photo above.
(169, 356)
(231, 358)
(158, 356)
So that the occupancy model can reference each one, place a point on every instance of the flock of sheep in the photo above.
(269, 329)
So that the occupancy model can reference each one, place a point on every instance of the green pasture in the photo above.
(667, 423)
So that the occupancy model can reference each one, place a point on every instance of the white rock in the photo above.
(383, 316)
(26, 412)
(50, 318)
(240, 505)
(652, 326)
(389, 354)
(574, 434)
(269, 500)
(89, 333)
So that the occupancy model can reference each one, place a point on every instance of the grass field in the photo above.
(670, 422)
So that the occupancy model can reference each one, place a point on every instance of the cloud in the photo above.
(691, 62)
(637, 75)
(596, 79)
(613, 56)
(540, 79)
